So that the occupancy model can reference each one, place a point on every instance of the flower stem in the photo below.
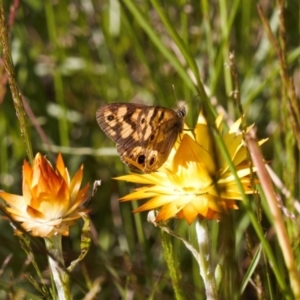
(60, 277)
(204, 261)
(172, 267)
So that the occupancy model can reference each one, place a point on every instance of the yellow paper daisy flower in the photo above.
(50, 201)
(195, 181)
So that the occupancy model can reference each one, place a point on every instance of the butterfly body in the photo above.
(144, 134)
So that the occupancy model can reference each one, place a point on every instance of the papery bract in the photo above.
(195, 181)
(51, 201)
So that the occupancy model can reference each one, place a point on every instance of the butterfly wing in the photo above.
(167, 125)
(144, 134)
(119, 121)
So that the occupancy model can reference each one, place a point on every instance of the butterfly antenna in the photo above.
(173, 86)
(179, 103)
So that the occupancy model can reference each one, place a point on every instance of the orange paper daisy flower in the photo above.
(50, 201)
(195, 181)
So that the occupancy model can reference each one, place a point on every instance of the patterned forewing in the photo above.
(144, 134)
(119, 122)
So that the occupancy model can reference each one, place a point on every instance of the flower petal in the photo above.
(195, 182)
(50, 203)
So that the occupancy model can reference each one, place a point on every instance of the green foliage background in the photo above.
(70, 57)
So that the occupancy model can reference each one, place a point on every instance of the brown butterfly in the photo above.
(144, 134)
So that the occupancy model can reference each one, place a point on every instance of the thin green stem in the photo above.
(15, 91)
(218, 62)
(188, 57)
(251, 215)
(172, 267)
(225, 48)
(142, 20)
(291, 102)
(278, 222)
(58, 84)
